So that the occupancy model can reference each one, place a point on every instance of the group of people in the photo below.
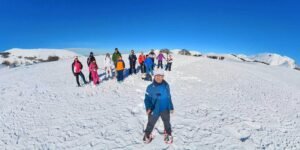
(158, 102)
(146, 65)
(109, 64)
(93, 67)
(147, 62)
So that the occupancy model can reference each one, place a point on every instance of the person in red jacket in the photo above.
(93, 69)
(76, 69)
(142, 58)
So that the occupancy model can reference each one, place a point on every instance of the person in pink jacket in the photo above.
(76, 69)
(93, 69)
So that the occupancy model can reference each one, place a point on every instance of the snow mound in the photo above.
(275, 60)
(30, 56)
(193, 52)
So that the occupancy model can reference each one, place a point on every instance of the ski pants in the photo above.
(149, 70)
(160, 64)
(143, 68)
(108, 72)
(77, 77)
(132, 67)
(120, 76)
(90, 77)
(95, 77)
(152, 119)
(168, 67)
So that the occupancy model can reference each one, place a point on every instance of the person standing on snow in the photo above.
(169, 62)
(132, 61)
(152, 55)
(160, 58)
(142, 58)
(116, 56)
(90, 59)
(108, 64)
(148, 64)
(76, 69)
(158, 103)
(120, 66)
(93, 69)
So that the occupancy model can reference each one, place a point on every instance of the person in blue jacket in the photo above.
(149, 65)
(158, 103)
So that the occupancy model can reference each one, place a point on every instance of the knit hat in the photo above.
(159, 72)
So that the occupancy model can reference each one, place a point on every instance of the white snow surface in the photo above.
(275, 60)
(218, 105)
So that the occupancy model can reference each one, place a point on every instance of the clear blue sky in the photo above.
(224, 26)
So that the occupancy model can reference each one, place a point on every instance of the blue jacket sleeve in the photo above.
(169, 93)
(148, 99)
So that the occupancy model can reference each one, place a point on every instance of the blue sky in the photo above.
(223, 26)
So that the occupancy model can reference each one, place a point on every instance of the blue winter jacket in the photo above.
(158, 97)
(148, 62)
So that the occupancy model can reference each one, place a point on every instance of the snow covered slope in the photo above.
(218, 105)
(275, 60)
(30, 56)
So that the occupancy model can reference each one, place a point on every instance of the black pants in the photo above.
(152, 119)
(168, 67)
(90, 77)
(77, 77)
(132, 67)
(143, 68)
(160, 64)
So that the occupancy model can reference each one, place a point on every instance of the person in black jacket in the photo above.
(76, 69)
(132, 60)
(90, 59)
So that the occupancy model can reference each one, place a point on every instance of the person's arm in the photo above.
(114, 57)
(73, 68)
(169, 93)
(88, 61)
(135, 58)
(148, 100)
(123, 64)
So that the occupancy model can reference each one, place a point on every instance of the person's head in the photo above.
(147, 56)
(76, 58)
(91, 53)
(132, 51)
(116, 50)
(107, 55)
(159, 76)
(142, 53)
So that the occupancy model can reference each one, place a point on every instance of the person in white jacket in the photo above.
(108, 66)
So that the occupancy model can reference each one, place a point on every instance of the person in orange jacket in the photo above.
(120, 66)
(142, 58)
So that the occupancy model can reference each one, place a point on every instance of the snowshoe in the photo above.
(147, 140)
(168, 139)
